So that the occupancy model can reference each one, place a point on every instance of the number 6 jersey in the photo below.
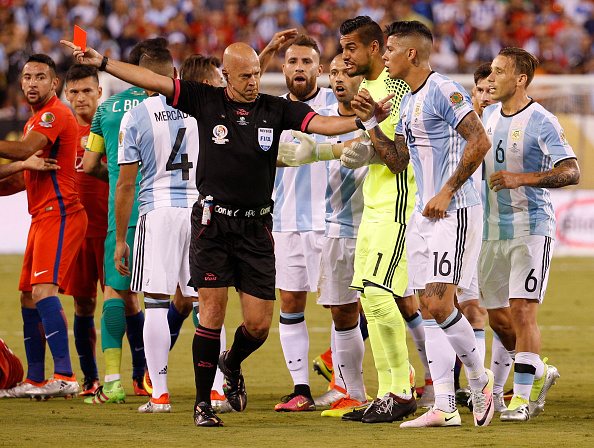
(531, 140)
(165, 141)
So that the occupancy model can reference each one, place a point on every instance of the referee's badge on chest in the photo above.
(265, 136)
(220, 132)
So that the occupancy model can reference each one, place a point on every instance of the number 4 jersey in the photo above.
(165, 141)
(531, 140)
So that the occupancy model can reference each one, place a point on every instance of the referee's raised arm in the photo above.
(138, 76)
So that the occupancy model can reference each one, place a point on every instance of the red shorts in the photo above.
(88, 269)
(11, 369)
(52, 246)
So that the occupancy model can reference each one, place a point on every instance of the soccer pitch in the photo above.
(568, 421)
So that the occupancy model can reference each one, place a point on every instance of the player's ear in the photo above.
(100, 92)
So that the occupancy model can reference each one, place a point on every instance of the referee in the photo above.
(239, 131)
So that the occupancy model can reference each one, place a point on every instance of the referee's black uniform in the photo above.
(236, 166)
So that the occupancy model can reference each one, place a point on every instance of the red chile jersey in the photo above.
(93, 193)
(238, 141)
(54, 192)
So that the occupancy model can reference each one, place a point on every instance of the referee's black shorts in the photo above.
(233, 252)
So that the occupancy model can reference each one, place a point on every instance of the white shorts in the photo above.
(517, 268)
(444, 250)
(336, 274)
(161, 252)
(298, 257)
(470, 293)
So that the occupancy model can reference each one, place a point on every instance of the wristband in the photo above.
(103, 64)
(370, 124)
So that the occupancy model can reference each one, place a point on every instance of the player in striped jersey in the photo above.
(298, 225)
(446, 143)
(529, 154)
(344, 207)
(162, 140)
(121, 309)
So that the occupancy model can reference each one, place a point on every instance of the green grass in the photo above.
(568, 421)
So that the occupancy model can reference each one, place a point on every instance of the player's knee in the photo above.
(345, 316)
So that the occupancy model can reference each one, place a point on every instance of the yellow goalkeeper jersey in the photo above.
(384, 191)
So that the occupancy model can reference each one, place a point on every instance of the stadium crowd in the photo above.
(467, 32)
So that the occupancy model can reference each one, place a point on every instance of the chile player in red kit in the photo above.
(58, 227)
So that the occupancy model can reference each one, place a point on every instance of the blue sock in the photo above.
(134, 326)
(56, 333)
(34, 344)
(363, 326)
(176, 321)
(85, 339)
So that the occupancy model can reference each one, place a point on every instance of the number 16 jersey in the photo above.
(165, 141)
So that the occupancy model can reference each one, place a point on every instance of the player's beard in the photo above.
(301, 91)
(40, 99)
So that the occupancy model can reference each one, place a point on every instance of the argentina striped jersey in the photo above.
(532, 140)
(428, 120)
(344, 194)
(165, 142)
(300, 192)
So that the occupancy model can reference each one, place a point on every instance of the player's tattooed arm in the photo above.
(477, 146)
(566, 172)
(393, 153)
(12, 184)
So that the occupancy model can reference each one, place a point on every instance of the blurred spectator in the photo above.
(467, 32)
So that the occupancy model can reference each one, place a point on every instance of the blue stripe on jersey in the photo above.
(303, 206)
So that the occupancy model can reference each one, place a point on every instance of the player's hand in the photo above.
(121, 257)
(281, 38)
(359, 153)
(88, 57)
(38, 163)
(504, 180)
(382, 108)
(286, 153)
(363, 105)
(306, 151)
(437, 206)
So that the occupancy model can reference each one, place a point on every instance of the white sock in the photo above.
(417, 331)
(441, 358)
(460, 335)
(523, 379)
(295, 343)
(338, 380)
(219, 377)
(348, 361)
(157, 341)
(480, 344)
(501, 364)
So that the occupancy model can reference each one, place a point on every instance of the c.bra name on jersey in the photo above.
(168, 115)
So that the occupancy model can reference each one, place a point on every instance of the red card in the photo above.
(80, 38)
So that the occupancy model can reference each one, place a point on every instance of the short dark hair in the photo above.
(482, 71)
(306, 41)
(409, 28)
(366, 29)
(79, 71)
(198, 67)
(525, 63)
(44, 59)
(142, 46)
(158, 60)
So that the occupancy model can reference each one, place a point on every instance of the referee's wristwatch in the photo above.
(103, 64)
